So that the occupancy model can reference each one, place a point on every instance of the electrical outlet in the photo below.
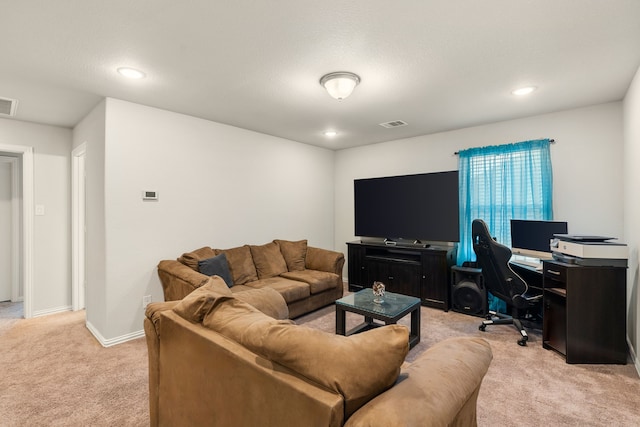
(146, 300)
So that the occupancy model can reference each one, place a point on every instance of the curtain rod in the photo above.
(551, 140)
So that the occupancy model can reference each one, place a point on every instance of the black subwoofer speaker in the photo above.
(468, 294)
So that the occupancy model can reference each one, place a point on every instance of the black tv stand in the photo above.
(419, 271)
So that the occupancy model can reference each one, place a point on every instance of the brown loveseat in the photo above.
(219, 358)
(307, 277)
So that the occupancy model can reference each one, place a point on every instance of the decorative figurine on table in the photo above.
(378, 292)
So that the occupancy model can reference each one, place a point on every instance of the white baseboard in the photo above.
(51, 311)
(113, 341)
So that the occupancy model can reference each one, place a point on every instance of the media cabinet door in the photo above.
(399, 277)
(357, 269)
(435, 279)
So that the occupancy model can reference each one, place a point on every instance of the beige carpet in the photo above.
(55, 373)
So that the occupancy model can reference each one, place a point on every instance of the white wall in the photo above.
(52, 271)
(219, 186)
(632, 207)
(587, 164)
(91, 130)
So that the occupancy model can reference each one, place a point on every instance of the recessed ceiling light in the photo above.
(131, 73)
(330, 133)
(524, 90)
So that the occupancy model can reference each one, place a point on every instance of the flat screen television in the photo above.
(531, 238)
(422, 207)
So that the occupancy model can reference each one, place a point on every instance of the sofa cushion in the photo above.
(294, 253)
(240, 264)
(237, 319)
(267, 300)
(268, 260)
(359, 367)
(319, 281)
(291, 290)
(216, 266)
(191, 259)
(197, 304)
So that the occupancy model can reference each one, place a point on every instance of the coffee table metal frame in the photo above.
(394, 308)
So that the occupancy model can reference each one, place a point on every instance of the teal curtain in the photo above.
(498, 183)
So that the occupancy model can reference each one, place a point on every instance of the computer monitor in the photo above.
(531, 238)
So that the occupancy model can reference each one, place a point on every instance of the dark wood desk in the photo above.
(585, 312)
(534, 280)
(530, 275)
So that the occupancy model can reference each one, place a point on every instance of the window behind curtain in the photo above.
(498, 183)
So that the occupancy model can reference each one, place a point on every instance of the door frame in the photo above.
(27, 183)
(15, 231)
(78, 226)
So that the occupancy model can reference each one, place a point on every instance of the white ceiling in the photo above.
(435, 64)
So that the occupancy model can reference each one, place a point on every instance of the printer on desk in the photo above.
(589, 250)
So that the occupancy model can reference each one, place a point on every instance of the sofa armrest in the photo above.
(208, 379)
(152, 333)
(179, 280)
(324, 260)
(439, 389)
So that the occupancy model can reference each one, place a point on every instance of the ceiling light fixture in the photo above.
(524, 90)
(131, 73)
(330, 133)
(340, 84)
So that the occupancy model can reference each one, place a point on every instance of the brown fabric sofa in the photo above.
(219, 358)
(307, 277)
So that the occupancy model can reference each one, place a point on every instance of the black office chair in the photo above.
(493, 258)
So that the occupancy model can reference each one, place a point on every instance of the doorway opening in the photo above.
(10, 289)
(20, 261)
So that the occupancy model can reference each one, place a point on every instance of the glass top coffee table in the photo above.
(394, 308)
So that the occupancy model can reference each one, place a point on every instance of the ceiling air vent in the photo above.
(8, 106)
(393, 124)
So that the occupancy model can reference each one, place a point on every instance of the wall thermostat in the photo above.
(149, 195)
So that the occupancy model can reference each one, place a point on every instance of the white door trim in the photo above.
(78, 226)
(15, 230)
(26, 153)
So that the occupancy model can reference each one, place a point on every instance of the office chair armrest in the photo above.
(526, 299)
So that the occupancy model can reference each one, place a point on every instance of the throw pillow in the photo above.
(359, 367)
(217, 266)
(191, 259)
(241, 264)
(198, 303)
(294, 253)
(268, 260)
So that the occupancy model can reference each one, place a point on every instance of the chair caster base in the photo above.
(482, 327)
(523, 342)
